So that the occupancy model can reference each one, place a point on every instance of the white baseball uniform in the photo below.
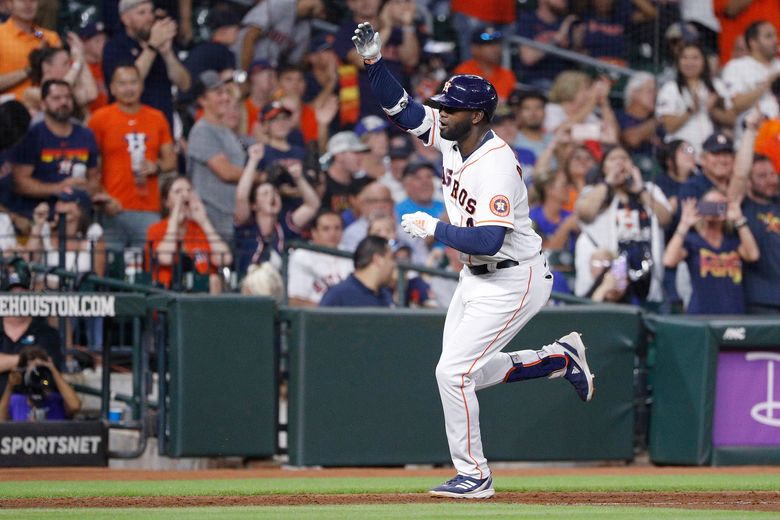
(487, 310)
(311, 274)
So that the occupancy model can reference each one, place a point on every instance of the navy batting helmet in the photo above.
(470, 92)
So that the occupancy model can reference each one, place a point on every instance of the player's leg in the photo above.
(489, 318)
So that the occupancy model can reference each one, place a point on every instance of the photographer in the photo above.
(36, 391)
(624, 215)
(713, 252)
(17, 332)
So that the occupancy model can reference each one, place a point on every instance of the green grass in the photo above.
(444, 511)
(411, 484)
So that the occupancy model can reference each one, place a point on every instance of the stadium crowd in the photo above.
(196, 146)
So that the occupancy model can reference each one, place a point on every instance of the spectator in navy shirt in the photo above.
(714, 256)
(148, 42)
(369, 285)
(602, 33)
(545, 25)
(55, 154)
(717, 164)
(756, 184)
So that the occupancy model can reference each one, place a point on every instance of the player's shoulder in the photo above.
(498, 153)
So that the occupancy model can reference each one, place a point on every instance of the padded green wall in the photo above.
(363, 390)
(223, 385)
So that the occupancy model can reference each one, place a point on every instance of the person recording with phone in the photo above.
(713, 238)
(36, 390)
(624, 215)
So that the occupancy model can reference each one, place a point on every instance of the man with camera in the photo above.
(17, 332)
(36, 390)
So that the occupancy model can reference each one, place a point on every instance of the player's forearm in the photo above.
(402, 109)
(482, 241)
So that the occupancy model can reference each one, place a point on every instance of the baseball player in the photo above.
(505, 279)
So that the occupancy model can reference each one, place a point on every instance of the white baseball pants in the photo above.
(485, 313)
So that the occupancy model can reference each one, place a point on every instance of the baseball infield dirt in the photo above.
(731, 500)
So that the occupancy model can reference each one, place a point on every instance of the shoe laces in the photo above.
(457, 479)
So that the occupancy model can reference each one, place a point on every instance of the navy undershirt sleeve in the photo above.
(389, 92)
(481, 241)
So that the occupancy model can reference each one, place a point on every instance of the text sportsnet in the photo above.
(66, 306)
(50, 445)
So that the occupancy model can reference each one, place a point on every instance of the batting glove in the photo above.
(419, 224)
(367, 42)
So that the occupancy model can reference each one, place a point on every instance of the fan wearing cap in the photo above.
(136, 146)
(216, 53)
(486, 50)
(322, 78)
(148, 42)
(20, 36)
(17, 332)
(275, 127)
(215, 156)
(343, 153)
(418, 184)
(400, 152)
(94, 38)
(372, 130)
(717, 165)
(277, 31)
(262, 79)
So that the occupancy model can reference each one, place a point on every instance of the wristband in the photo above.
(152, 48)
(740, 223)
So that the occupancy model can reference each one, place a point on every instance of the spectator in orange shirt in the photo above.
(20, 36)
(136, 146)
(736, 16)
(768, 141)
(486, 48)
(184, 240)
(94, 38)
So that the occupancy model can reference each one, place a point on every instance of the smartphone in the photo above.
(586, 132)
(708, 208)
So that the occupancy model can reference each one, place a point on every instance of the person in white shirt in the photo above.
(311, 273)
(749, 78)
(690, 106)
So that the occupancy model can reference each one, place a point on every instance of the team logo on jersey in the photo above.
(499, 205)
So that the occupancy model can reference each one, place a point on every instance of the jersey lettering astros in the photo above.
(485, 189)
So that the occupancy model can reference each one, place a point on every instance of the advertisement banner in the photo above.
(53, 443)
(747, 399)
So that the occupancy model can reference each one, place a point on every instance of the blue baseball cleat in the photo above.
(577, 372)
(465, 487)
